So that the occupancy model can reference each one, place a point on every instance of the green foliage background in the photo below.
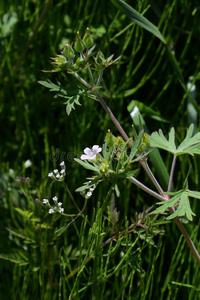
(35, 126)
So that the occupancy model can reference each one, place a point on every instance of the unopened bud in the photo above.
(144, 143)
(79, 45)
(110, 139)
(68, 52)
(87, 39)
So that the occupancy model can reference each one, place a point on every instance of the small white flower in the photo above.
(91, 189)
(45, 201)
(50, 174)
(61, 210)
(55, 171)
(62, 164)
(62, 171)
(27, 163)
(90, 154)
(55, 198)
(51, 211)
(59, 204)
(58, 176)
(89, 194)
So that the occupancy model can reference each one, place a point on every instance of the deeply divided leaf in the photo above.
(190, 145)
(180, 201)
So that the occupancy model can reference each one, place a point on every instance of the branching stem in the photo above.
(144, 164)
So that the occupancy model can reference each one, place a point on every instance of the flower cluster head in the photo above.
(57, 205)
(58, 175)
(90, 191)
(23, 180)
(91, 154)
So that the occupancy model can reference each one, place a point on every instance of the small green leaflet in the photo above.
(181, 198)
(72, 94)
(70, 103)
(190, 145)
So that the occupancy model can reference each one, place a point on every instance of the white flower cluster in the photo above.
(90, 191)
(57, 206)
(56, 175)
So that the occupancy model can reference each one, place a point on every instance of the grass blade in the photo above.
(138, 18)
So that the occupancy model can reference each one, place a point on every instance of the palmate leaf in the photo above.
(180, 198)
(190, 145)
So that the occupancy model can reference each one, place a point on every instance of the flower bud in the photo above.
(144, 143)
(104, 168)
(110, 139)
(68, 52)
(87, 39)
(79, 45)
(119, 143)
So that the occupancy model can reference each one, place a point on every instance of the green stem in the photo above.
(186, 236)
(71, 197)
(82, 80)
(146, 189)
(99, 78)
(171, 174)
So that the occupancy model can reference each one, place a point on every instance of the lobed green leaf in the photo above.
(181, 199)
(190, 145)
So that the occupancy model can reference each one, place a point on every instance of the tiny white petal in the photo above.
(62, 171)
(55, 171)
(62, 164)
(55, 198)
(58, 176)
(51, 211)
(61, 210)
(59, 204)
(45, 201)
(50, 174)
(27, 163)
(89, 194)
(84, 157)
